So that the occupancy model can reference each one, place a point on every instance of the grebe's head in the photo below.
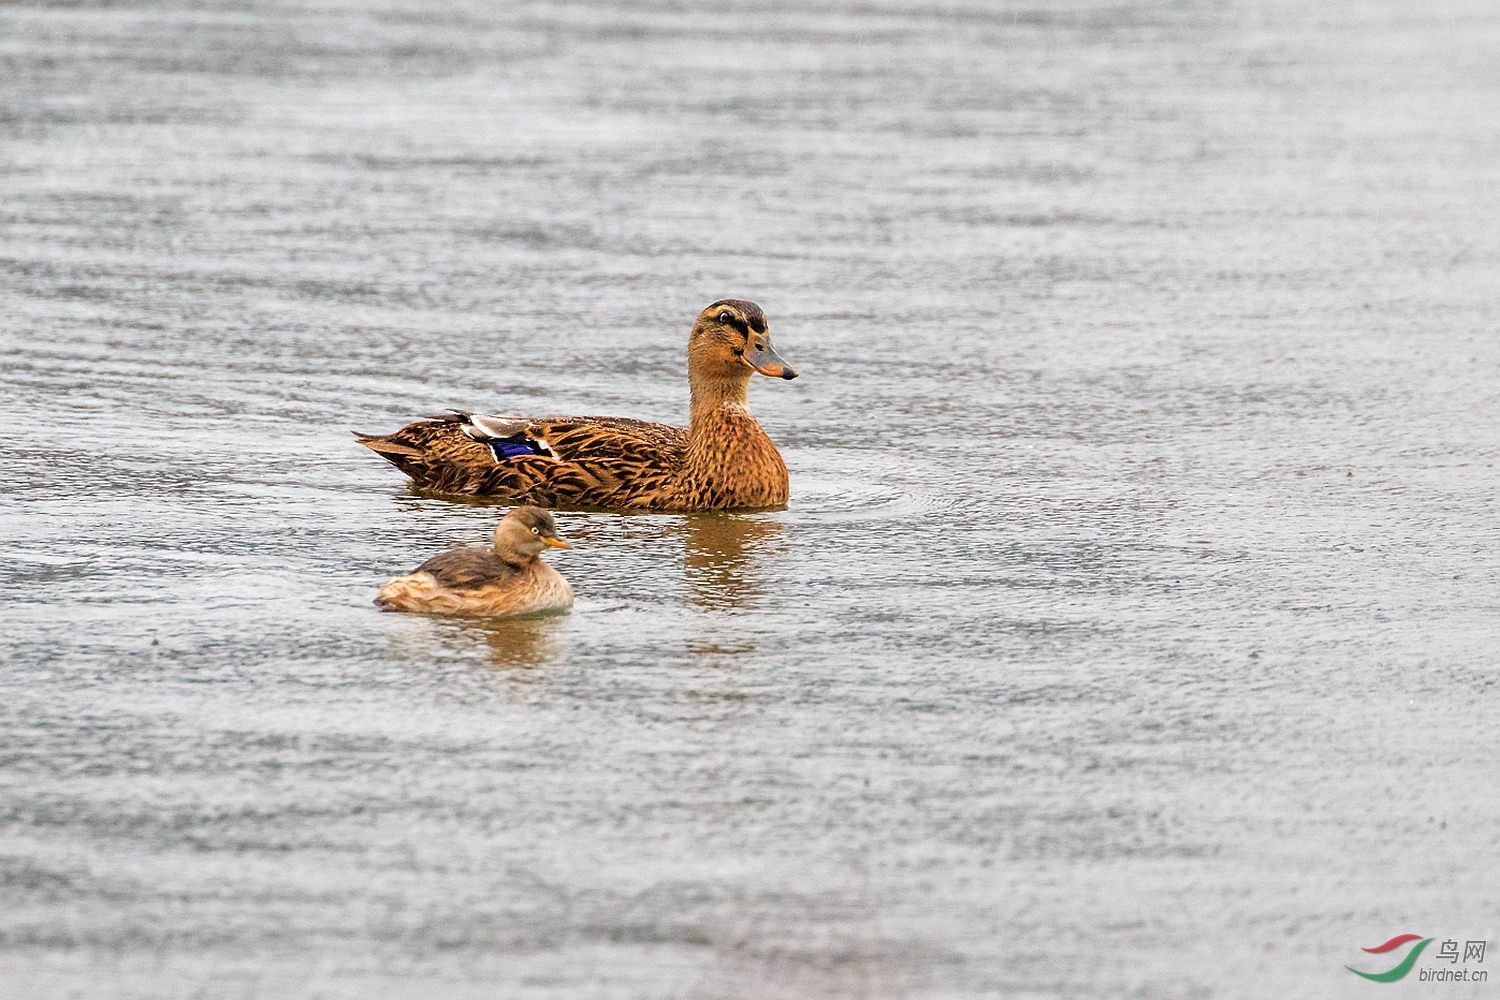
(523, 533)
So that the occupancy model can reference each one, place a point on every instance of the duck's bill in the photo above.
(766, 361)
(555, 543)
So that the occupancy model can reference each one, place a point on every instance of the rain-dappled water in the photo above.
(1133, 629)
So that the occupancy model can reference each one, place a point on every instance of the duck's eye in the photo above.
(724, 317)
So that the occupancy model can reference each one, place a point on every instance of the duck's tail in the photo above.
(386, 444)
(435, 453)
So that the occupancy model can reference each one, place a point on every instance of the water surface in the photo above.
(1131, 632)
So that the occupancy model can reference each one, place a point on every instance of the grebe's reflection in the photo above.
(724, 555)
(516, 642)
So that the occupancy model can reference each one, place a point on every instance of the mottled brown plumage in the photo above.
(722, 460)
(508, 579)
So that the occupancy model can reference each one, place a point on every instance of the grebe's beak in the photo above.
(761, 356)
(555, 543)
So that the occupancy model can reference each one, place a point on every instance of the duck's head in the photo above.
(730, 340)
(523, 533)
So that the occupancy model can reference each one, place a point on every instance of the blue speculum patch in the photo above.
(512, 449)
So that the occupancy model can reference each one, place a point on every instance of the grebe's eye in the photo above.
(535, 532)
(724, 317)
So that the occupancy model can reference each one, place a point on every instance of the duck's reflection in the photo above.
(725, 555)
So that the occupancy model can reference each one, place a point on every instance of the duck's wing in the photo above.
(603, 462)
(585, 440)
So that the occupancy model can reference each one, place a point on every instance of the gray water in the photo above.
(1133, 627)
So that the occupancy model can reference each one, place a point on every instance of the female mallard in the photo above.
(508, 579)
(721, 461)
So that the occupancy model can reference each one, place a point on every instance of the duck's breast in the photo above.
(732, 463)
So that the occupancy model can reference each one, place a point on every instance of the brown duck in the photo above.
(508, 579)
(721, 461)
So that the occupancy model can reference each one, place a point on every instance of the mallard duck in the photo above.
(721, 461)
(508, 579)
